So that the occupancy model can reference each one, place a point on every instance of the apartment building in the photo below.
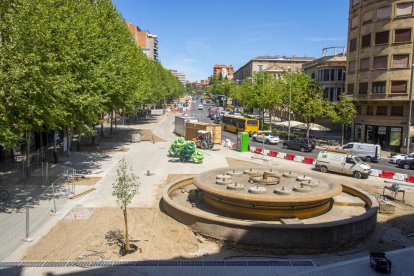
(275, 65)
(329, 72)
(223, 71)
(146, 41)
(179, 75)
(380, 52)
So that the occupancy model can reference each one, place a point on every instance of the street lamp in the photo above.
(290, 100)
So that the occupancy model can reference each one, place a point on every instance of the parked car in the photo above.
(266, 136)
(367, 152)
(302, 144)
(406, 164)
(398, 157)
(342, 163)
(200, 107)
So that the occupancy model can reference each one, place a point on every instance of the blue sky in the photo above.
(194, 35)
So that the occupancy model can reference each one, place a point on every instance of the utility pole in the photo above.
(290, 100)
(410, 109)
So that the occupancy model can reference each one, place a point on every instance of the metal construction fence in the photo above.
(31, 201)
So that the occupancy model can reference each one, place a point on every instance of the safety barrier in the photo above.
(312, 161)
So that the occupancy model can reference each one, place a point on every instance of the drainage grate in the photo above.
(162, 263)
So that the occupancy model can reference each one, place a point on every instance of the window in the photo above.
(357, 132)
(320, 75)
(402, 35)
(404, 9)
(338, 94)
(354, 22)
(313, 76)
(363, 88)
(397, 110)
(367, 17)
(399, 87)
(340, 72)
(380, 62)
(353, 44)
(332, 74)
(352, 66)
(382, 110)
(364, 64)
(366, 41)
(382, 37)
(384, 12)
(378, 87)
(358, 109)
(370, 110)
(350, 89)
(326, 75)
(331, 94)
(400, 61)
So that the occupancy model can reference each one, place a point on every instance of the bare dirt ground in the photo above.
(85, 181)
(158, 236)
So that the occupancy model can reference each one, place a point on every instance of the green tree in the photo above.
(124, 190)
(307, 101)
(342, 112)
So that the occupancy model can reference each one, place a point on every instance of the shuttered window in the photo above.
(382, 37)
(384, 12)
(352, 44)
(399, 87)
(352, 66)
(363, 88)
(382, 110)
(402, 35)
(364, 64)
(400, 61)
(404, 9)
(397, 110)
(350, 89)
(354, 22)
(378, 87)
(367, 17)
(380, 62)
(366, 41)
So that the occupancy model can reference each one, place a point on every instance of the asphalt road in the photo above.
(202, 115)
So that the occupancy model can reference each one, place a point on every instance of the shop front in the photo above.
(388, 137)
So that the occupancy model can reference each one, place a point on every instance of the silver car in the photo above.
(267, 137)
(398, 157)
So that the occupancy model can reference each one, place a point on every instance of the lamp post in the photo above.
(290, 100)
(410, 109)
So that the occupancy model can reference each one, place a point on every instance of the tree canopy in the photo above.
(63, 63)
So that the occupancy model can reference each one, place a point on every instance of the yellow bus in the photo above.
(236, 123)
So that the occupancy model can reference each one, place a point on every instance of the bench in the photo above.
(394, 191)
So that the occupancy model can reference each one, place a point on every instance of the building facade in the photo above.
(275, 65)
(329, 72)
(379, 58)
(223, 71)
(180, 76)
(146, 41)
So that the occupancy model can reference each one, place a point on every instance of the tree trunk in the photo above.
(67, 141)
(270, 119)
(55, 154)
(116, 124)
(102, 120)
(307, 129)
(126, 229)
(28, 168)
(112, 120)
(343, 130)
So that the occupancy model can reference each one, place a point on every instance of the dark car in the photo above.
(302, 144)
(406, 164)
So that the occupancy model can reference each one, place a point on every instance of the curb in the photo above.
(311, 161)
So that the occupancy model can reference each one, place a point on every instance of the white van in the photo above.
(342, 163)
(368, 152)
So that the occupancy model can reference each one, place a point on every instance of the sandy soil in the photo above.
(147, 135)
(160, 237)
(85, 181)
(156, 235)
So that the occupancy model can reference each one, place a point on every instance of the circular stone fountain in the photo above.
(262, 206)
